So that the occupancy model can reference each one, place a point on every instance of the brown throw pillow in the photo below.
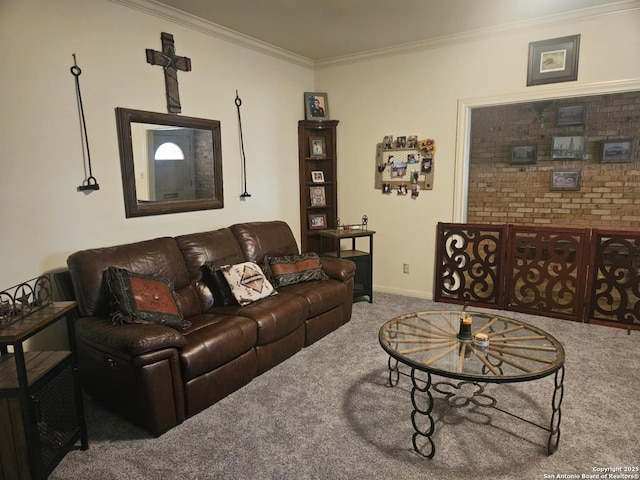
(138, 298)
(291, 269)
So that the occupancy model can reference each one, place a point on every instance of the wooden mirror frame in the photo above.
(134, 208)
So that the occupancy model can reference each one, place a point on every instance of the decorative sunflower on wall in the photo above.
(427, 147)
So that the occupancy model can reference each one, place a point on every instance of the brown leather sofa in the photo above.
(157, 376)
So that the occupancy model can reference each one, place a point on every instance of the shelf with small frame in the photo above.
(317, 173)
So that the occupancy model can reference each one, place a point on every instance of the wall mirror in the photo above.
(169, 163)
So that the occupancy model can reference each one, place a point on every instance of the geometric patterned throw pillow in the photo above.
(247, 282)
(138, 298)
(291, 269)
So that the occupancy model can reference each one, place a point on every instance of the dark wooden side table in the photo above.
(363, 284)
(41, 410)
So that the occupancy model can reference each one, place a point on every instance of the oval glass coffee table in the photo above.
(475, 348)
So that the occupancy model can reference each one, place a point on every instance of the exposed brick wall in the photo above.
(203, 144)
(500, 192)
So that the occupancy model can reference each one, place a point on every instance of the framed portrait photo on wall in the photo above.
(554, 60)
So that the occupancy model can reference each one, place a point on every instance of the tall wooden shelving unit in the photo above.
(325, 129)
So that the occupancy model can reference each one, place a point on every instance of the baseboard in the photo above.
(402, 291)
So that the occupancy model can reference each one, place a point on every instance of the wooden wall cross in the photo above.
(171, 63)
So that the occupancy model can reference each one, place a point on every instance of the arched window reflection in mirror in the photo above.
(189, 175)
(168, 151)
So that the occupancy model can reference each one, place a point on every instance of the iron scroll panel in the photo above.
(615, 278)
(546, 271)
(470, 260)
(585, 275)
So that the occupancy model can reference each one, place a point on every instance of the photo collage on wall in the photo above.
(405, 165)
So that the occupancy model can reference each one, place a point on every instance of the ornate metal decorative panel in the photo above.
(615, 278)
(469, 260)
(545, 273)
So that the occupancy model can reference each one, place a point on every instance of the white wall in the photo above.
(44, 219)
(42, 216)
(419, 93)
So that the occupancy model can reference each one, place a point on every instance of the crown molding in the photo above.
(179, 17)
(617, 8)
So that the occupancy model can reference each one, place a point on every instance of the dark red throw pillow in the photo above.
(291, 269)
(138, 298)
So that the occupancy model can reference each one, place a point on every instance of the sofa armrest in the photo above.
(338, 268)
(129, 339)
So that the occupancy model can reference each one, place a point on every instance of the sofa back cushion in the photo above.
(215, 248)
(258, 239)
(159, 257)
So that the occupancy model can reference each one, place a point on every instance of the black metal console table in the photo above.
(41, 410)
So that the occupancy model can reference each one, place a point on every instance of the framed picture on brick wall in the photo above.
(572, 147)
(618, 151)
(523, 154)
(572, 115)
(566, 179)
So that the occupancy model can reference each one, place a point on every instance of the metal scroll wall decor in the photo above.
(90, 183)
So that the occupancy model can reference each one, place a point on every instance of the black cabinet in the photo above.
(363, 282)
(41, 411)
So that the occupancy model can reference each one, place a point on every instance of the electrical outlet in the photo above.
(405, 268)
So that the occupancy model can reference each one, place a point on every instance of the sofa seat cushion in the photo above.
(214, 340)
(321, 295)
(275, 317)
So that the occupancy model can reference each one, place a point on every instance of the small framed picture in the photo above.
(316, 147)
(572, 115)
(317, 196)
(618, 151)
(553, 60)
(316, 106)
(566, 179)
(524, 155)
(568, 148)
(317, 176)
(317, 221)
